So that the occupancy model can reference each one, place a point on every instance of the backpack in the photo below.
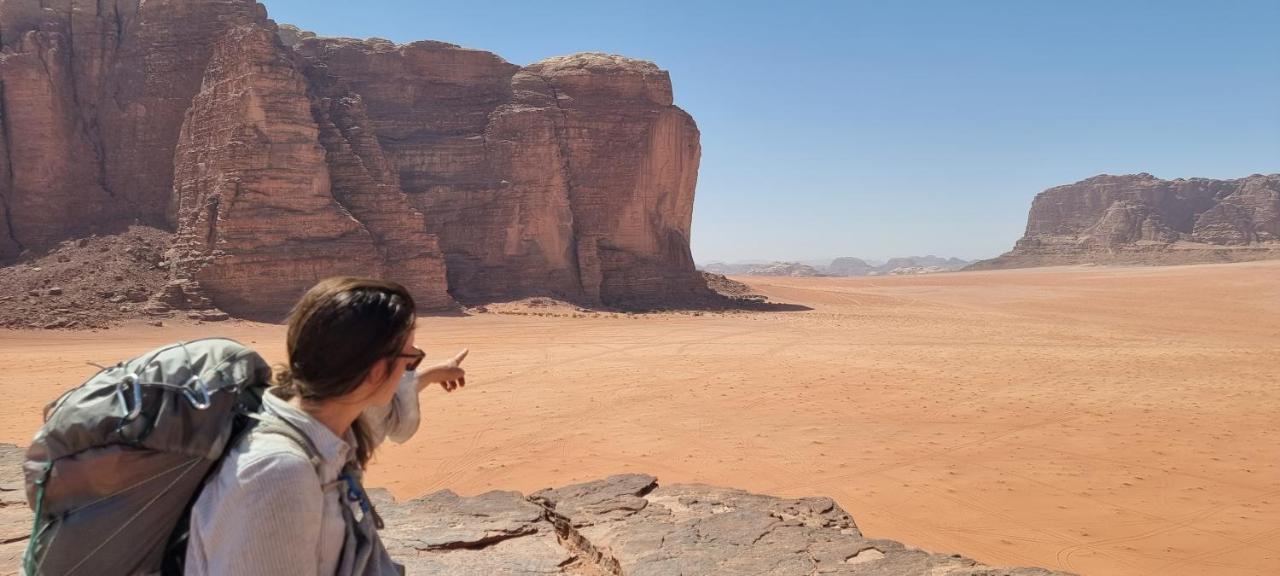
(120, 460)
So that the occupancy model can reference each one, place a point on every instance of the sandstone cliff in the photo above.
(1141, 219)
(572, 177)
(279, 158)
(92, 96)
(259, 197)
(626, 524)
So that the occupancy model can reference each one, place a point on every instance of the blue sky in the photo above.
(901, 127)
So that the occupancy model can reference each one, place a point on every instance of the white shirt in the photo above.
(265, 511)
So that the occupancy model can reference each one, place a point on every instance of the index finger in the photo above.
(461, 355)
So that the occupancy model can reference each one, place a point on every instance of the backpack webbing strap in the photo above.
(29, 559)
(282, 427)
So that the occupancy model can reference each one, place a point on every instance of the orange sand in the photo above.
(1098, 420)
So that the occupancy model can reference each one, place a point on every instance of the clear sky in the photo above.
(900, 127)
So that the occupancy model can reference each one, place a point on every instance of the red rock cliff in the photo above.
(277, 164)
(573, 176)
(1142, 219)
(264, 209)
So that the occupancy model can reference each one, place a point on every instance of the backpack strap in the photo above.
(282, 427)
(351, 476)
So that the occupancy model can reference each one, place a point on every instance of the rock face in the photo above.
(572, 177)
(15, 517)
(625, 524)
(1142, 219)
(279, 158)
(258, 204)
(93, 96)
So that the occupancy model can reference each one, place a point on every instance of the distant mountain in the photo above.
(762, 269)
(847, 266)
(894, 266)
(1141, 219)
(850, 267)
(783, 269)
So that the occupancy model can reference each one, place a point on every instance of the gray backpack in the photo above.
(114, 471)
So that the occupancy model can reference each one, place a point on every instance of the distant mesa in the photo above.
(847, 266)
(276, 157)
(768, 269)
(1141, 219)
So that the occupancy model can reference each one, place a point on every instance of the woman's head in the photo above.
(348, 341)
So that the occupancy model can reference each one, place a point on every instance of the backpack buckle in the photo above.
(193, 386)
(130, 412)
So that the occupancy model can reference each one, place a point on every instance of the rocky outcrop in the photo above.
(849, 266)
(279, 161)
(571, 177)
(1141, 219)
(265, 210)
(15, 517)
(92, 96)
(627, 524)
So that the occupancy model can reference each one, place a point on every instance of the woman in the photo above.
(287, 498)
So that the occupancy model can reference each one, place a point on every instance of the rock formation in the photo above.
(92, 96)
(842, 267)
(769, 269)
(849, 266)
(920, 265)
(1141, 219)
(573, 176)
(627, 524)
(279, 158)
(258, 197)
(15, 516)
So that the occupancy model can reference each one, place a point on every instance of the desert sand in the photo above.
(1097, 420)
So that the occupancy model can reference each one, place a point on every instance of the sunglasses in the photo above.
(417, 356)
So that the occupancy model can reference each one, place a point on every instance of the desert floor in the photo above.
(1097, 420)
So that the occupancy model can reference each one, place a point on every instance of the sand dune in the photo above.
(1098, 420)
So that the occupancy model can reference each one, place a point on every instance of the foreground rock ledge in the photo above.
(624, 524)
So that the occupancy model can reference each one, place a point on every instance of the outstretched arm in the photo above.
(449, 374)
(399, 420)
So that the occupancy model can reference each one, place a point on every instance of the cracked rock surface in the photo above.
(15, 517)
(626, 524)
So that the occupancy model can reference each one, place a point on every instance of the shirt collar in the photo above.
(334, 451)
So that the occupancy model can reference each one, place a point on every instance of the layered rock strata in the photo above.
(264, 209)
(625, 524)
(572, 177)
(92, 96)
(1141, 219)
(280, 162)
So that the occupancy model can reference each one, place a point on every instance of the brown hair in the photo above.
(338, 332)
